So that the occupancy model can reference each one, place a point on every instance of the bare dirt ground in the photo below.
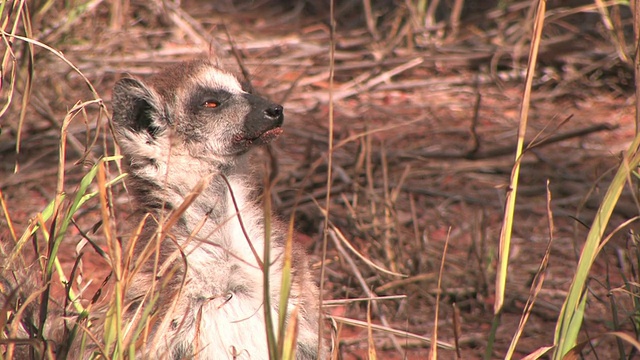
(424, 133)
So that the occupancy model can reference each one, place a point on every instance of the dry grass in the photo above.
(404, 144)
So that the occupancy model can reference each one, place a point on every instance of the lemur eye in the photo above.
(211, 104)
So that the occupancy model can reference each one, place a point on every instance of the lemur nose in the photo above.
(274, 112)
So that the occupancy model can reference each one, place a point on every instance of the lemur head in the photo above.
(191, 109)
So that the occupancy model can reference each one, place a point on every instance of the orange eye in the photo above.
(211, 104)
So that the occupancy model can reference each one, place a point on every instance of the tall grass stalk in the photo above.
(509, 211)
(9, 56)
(433, 351)
(28, 78)
(287, 333)
(7, 217)
(536, 284)
(115, 255)
(290, 337)
(21, 16)
(271, 335)
(325, 230)
(282, 342)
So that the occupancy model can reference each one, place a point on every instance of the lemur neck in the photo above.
(198, 195)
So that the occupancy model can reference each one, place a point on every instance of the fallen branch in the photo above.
(508, 149)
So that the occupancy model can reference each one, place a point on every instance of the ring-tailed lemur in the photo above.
(185, 134)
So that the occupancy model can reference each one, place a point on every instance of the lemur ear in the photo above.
(137, 108)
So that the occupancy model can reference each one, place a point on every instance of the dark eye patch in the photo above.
(209, 98)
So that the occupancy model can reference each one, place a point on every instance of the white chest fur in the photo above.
(224, 315)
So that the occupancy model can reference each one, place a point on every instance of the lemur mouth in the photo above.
(264, 138)
(269, 135)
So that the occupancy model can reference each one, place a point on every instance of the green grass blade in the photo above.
(290, 337)
(79, 199)
(572, 312)
(285, 291)
(271, 336)
(510, 203)
(35, 226)
(505, 234)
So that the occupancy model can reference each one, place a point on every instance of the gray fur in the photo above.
(207, 284)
